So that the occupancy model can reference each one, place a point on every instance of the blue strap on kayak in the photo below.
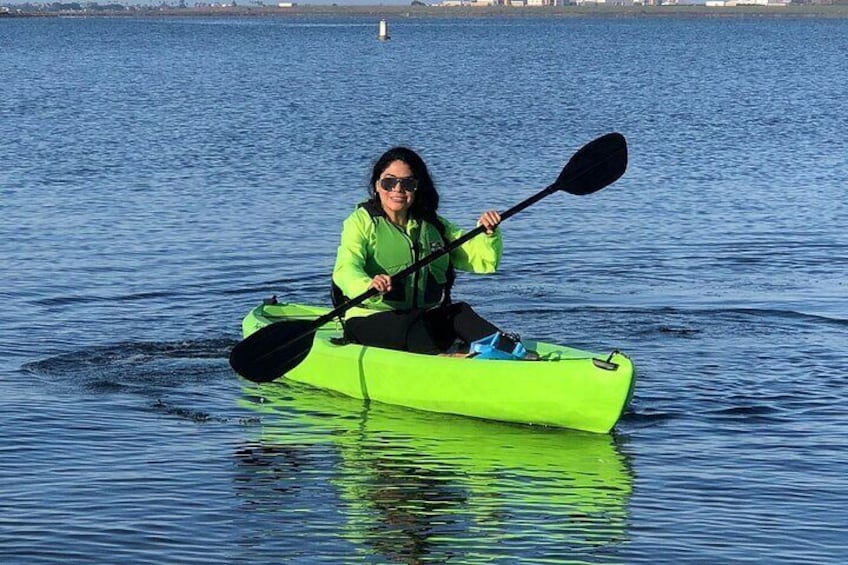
(499, 345)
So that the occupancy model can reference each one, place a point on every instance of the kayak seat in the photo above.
(337, 297)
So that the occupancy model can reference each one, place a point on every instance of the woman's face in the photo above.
(396, 197)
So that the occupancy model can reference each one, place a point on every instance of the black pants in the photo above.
(420, 331)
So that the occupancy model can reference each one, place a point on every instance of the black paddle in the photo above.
(278, 348)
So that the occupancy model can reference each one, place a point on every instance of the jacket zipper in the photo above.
(413, 247)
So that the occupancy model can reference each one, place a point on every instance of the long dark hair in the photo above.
(426, 201)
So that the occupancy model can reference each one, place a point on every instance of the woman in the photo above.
(397, 226)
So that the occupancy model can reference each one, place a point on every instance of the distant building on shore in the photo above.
(733, 3)
(487, 3)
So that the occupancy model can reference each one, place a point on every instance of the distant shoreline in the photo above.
(399, 12)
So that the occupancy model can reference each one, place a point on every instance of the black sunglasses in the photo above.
(407, 184)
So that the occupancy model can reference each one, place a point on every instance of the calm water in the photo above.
(160, 177)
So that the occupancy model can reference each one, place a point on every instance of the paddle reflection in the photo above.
(415, 487)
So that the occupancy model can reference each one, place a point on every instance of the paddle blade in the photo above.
(597, 164)
(273, 351)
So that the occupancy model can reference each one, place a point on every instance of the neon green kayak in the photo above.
(567, 388)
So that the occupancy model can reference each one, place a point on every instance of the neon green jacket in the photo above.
(372, 245)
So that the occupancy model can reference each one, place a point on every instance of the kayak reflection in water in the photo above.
(405, 486)
(395, 228)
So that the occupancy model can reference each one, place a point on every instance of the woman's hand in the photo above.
(383, 283)
(489, 220)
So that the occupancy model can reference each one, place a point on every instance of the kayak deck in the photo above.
(568, 387)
